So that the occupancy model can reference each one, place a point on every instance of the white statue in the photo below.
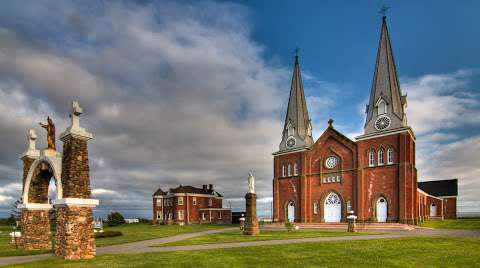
(251, 183)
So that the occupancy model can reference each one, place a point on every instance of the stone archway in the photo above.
(36, 206)
(73, 205)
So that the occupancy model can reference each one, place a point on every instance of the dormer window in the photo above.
(381, 107)
(290, 129)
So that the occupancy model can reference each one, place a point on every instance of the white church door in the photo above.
(291, 211)
(382, 210)
(433, 210)
(332, 210)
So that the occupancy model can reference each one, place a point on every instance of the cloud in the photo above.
(438, 102)
(174, 94)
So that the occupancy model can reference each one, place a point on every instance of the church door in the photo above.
(291, 212)
(433, 210)
(381, 210)
(332, 208)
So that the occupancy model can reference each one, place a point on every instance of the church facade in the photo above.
(374, 176)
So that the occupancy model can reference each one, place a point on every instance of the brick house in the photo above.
(438, 199)
(374, 175)
(189, 205)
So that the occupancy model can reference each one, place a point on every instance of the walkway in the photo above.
(146, 246)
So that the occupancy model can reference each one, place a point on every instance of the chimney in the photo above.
(204, 187)
(210, 187)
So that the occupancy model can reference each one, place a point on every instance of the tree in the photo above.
(115, 218)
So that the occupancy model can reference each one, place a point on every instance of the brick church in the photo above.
(374, 175)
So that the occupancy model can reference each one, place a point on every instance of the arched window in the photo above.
(284, 171)
(390, 156)
(290, 129)
(381, 157)
(371, 158)
(382, 107)
(295, 169)
(289, 169)
(315, 207)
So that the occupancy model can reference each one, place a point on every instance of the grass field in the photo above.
(237, 236)
(453, 224)
(130, 233)
(398, 252)
(8, 250)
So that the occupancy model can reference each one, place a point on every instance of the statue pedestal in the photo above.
(251, 221)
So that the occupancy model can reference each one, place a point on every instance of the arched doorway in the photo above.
(332, 209)
(291, 211)
(433, 210)
(381, 210)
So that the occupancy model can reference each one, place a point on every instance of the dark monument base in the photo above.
(251, 221)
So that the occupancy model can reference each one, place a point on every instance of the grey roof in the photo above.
(440, 188)
(297, 112)
(194, 190)
(385, 85)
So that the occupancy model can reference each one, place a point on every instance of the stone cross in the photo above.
(251, 183)
(32, 137)
(76, 112)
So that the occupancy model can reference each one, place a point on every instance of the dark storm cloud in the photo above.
(174, 95)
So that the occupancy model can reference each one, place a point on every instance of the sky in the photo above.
(194, 92)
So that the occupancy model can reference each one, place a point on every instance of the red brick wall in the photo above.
(450, 207)
(193, 215)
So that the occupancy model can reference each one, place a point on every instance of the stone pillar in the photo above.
(35, 227)
(75, 239)
(352, 225)
(251, 221)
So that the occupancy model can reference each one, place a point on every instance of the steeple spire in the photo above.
(386, 108)
(297, 131)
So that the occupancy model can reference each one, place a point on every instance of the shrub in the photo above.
(115, 218)
(108, 234)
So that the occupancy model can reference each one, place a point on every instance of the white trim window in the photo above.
(219, 214)
(295, 169)
(390, 156)
(381, 157)
(194, 201)
(210, 202)
(180, 200)
(204, 216)
(180, 215)
(289, 170)
(382, 107)
(284, 171)
(315, 207)
(159, 202)
(371, 158)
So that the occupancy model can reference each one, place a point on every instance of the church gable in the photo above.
(333, 151)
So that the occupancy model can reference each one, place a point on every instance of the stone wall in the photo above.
(75, 238)
(75, 168)
(35, 229)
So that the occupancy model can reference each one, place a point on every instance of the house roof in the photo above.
(440, 188)
(159, 192)
(194, 190)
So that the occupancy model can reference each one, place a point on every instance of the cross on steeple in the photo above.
(383, 10)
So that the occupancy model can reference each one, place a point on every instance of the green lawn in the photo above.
(131, 233)
(397, 252)
(137, 232)
(453, 224)
(8, 250)
(237, 236)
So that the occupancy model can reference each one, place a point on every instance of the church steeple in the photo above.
(297, 130)
(386, 108)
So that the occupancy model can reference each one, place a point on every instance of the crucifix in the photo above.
(76, 112)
